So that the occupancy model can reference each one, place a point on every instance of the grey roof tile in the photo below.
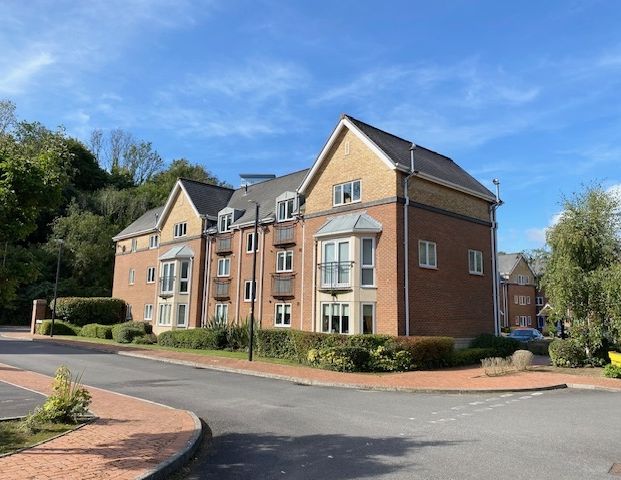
(351, 223)
(208, 199)
(144, 223)
(506, 262)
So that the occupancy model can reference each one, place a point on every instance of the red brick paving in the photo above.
(129, 439)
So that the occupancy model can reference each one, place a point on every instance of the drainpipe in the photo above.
(260, 282)
(494, 238)
(206, 281)
(406, 239)
(302, 276)
(239, 257)
(314, 296)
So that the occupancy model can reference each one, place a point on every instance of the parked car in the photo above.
(526, 334)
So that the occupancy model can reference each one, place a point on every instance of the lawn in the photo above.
(12, 437)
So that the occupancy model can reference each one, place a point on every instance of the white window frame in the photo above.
(185, 280)
(222, 312)
(362, 305)
(170, 269)
(331, 304)
(284, 254)
(224, 222)
(250, 235)
(185, 317)
(180, 229)
(284, 307)
(288, 215)
(225, 261)
(523, 279)
(164, 307)
(132, 276)
(134, 246)
(150, 274)
(247, 294)
(425, 262)
(475, 262)
(341, 200)
(148, 311)
(364, 266)
(338, 261)
(154, 241)
(539, 301)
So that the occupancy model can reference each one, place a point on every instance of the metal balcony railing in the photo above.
(335, 275)
(167, 285)
(221, 288)
(224, 244)
(284, 234)
(283, 285)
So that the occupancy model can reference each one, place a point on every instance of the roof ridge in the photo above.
(273, 179)
(185, 179)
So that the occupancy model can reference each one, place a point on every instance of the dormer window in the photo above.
(180, 229)
(285, 209)
(345, 193)
(224, 222)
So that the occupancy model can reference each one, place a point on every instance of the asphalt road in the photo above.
(17, 402)
(268, 429)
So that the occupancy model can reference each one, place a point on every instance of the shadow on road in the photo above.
(266, 456)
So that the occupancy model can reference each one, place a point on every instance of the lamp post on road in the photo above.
(253, 284)
(60, 250)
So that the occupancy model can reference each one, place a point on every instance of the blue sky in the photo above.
(529, 92)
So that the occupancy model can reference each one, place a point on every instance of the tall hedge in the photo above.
(84, 310)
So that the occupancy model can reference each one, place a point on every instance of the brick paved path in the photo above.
(129, 439)
(456, 379)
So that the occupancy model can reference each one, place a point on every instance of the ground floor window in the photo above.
(148, 311)
(523, 320)
(182, 315)
(367, 315)
(128, 312)
(541, 321)
(283, 315)
(164, 314)
(335, 317)
(222, 313)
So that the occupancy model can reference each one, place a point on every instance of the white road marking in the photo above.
(475, 403)
(505, 395)
(536, 394)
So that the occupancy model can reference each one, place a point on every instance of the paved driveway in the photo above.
(268, 429)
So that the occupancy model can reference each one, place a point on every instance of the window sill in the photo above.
(282, 326)
(428, 267)
(369, 287)
(476, 274)
(344, 204)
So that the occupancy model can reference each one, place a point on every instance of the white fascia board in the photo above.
(344, 123)
(133, 234)
(347, 232)
(169, 203)
(454, 186)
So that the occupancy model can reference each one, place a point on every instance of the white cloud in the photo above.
(538, 235)
(18, 77)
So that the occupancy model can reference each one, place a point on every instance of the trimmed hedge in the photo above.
(503, 346)
(539, 347)
(341, 359)
(84, 310)
(60, 328)
(148, 339)
(427, 352)
(470, 356)
(127, 331)
(566, 353)
(196, 338)
(95, 330)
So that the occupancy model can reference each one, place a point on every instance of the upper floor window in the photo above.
(284, 261)
(180, 229)
(367, 262)
(346, 193)
(168, 277)
(150, 274)
(248, 290)
(154, 241)
(539, 301)
(427, 254)
(521, 299)
(250, 243)
(134, 244)
(475, 262)
(184, 277)
(523, 279)
(224, 222)
(285, 209)
(224, 267)
(132, 276)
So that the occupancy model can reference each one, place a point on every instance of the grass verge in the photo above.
(12, 436)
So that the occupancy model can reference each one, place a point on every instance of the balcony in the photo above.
(167, 286)
(224, 244)
(221, 288)
(283, 285)
(284, 235)
(335, 276)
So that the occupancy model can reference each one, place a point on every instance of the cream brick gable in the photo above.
(181, 210)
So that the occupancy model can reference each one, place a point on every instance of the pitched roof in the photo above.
(264, 194)
(507, 262)
(144, 223)
(181, 251)
(426, 161)
(208, 199)
(352, 223)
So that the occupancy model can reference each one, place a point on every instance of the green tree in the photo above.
(582, 273)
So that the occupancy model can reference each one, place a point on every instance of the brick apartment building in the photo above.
(519, 302)
(378, 236)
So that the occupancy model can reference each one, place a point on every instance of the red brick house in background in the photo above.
(518, 294)
(379, 236)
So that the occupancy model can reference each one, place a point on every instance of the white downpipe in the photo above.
(302, 279)
(406, 240)
(206, 282)
(239, 256)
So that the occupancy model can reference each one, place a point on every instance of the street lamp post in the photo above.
(60, 249)
(253, 284)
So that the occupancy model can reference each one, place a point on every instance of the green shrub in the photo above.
(388, 359)
(470, 356)
(147, 339)
(127, 331)
(237, 336)
(566, 353)
(278, 343)
(84, 310)
(612, 371)
(539, 347)
(503, 346)
(427, 352)
(60, 328)
(342, 359)
(196, 338)
(95, 330)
